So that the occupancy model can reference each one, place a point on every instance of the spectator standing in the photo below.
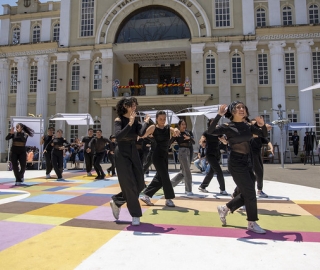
(131, 83)
(47, 149)
(295, 141)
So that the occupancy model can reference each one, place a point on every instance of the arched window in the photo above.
(75, 76)
(152, 24)
(261, 17)
(16, 35)
(56, 32)
(13, 80)
(287, 16)
(96, 126)
(36, 31)
(211, 69)
(87, 18)
(97, 75)
(236, 63)
(313, 14)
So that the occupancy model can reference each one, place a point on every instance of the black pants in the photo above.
(240, 167)
(57, 162)
(161, 179)
(258, 169)
(88, 158)
(214, 160)
(112, 159)
(16, 159)
(148, 161)
(97, 159)
(47, 156)
(296, 149)
(130, 175)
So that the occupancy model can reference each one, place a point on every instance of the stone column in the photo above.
(65, 22)
(4, 89)
(304, 69)
(300, 9)
(248, 17)
(196, 78)
(274, 12)
(63, 60)
(22, 86)
(224, 71)
(42, 86)
(251, 73)
(278, 85)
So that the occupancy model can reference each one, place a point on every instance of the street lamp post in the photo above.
(281, 124)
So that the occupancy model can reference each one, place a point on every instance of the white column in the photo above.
(304, 69)
(42, 86)
(274, 12)
(300, 8)
(224, 72)
(248, 22)
(4, 89)
(196, 78)
(107, 120)
(251, 73)
(5, 32)
(65, 23)
(278, 85)
(107, 70)
(25, 32)
(46, 29)
(62, 84)
(22, 86)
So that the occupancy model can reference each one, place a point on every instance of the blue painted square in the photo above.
(55, 189)
(48, 198)
(99, 184)
(98, 195)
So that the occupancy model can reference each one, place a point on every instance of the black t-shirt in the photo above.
(256, 144)
(47, 143)
(213, 143)
(125, 132)
(86, 140)
(162, 138)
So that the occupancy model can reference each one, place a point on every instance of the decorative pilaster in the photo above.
(224, 72)
(195, 77)
(23, 86)
(274, 12)
(42, 86)
(4, 88)
(248, 17)
(251, 72)
(278, 85)
(304, 69)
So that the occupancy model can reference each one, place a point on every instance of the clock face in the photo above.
(27, 3)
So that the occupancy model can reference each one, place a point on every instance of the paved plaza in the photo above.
(47, 224)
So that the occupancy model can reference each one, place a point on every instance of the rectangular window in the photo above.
(52, 124)
(313, 14)
(97, 76)
(211, 69)
(53, 78)
(33, 79)
(75, 76)
(261, 17)
(290, 68)
(222, 12)
(16, 36)
(73, 133)
(13, 80)
(36, 34)
(56, 32)
(316, 66)
(87, 18)
(293, 118)
(317, 116)
(263, 68)
(236, 69)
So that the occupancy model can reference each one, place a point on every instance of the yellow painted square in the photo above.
(36, 219)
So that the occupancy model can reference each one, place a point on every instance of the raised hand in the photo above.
(12, 130)
(132, 118)
(260, 121)
(222, 109)
(147, 118)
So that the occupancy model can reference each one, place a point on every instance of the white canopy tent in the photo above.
(316, 86)
(35, 123)
(172, 118)
(78, 119)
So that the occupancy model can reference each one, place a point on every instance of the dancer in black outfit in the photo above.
(148, 161)
(88, 156)
(18, 150)
(97, 145)
(58, 143)
(129, 167)
(239, 134)
(112, 147)
(161, 134)
(213, 158)
(47, 149)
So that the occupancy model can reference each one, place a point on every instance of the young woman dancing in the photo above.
(239, 134)
(129, 167)
(18, 150)
(161, 133)
(184, 140)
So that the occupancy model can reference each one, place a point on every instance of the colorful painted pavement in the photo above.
(47, 224)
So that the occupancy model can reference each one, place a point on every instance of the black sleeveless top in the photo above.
(162, 138)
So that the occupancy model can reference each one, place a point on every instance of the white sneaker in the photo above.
(89, 174)
(169, 203)
(223, 212)
(146, 200)
(261, 194)
(203, 190)
(115, 209)
(254, 227)
(189, 193)
(135, 221)
(48, 176)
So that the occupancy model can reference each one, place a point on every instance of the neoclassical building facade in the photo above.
(63, 57)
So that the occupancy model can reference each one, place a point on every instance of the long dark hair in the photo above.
(160, 112)
(180, 122)
(125, 101)
(26, 129)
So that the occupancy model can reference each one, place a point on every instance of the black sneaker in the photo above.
(98, 177)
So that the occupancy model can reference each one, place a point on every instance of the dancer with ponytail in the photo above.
(18, 150)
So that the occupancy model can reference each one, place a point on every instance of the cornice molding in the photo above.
(31, 16)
